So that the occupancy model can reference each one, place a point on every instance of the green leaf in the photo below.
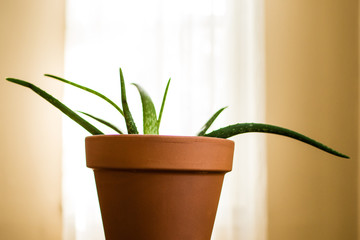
(103, 122)
(130, 124)
(149, 112)
(88, 90)
(240, 128)
(67, 111)
(208, 123)
(163, 103)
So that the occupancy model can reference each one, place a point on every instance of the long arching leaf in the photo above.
(67, 111)
(130, 124)
(149, 112)
(88, 90)
(110, 125)
(240, 128)
(163, 103)
(208, 123)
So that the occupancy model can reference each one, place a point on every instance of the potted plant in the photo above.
(153, 186)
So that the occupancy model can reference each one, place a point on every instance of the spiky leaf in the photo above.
(88, 90)
(130, 124)
(240, 128)
(149, 112)
(209, 122)
(163, 103)
(59, 105)
(106, 123)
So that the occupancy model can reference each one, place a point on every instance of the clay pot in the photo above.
(154, 187)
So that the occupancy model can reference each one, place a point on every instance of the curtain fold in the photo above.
(212, 50)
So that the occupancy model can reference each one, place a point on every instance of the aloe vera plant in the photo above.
(151, 121)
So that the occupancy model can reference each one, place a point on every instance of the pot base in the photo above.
(158, 205)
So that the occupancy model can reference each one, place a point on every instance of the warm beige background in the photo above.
(31, 43)
(312, 87)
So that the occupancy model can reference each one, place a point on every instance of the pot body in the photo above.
(158, 187)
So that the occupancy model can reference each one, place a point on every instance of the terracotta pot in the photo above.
(158, 187)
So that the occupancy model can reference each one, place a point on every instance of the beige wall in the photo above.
(312, 87)
(31, 43)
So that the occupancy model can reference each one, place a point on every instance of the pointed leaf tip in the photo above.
(149, 112)
(210, 122)
(59, 105)
(106, 123)
(87, 90)
(240, 128)
(130, 124)
(163, 103)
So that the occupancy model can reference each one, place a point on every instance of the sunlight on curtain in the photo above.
(212, 50)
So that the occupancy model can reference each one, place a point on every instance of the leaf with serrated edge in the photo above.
(149, 112)
(240, 128)
(130, 124)
(59, 105)
(106, 123)
(208, 123)
(88, 90)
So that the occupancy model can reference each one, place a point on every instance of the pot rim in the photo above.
(159, 152)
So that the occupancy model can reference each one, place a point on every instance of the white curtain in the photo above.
(212, 50)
